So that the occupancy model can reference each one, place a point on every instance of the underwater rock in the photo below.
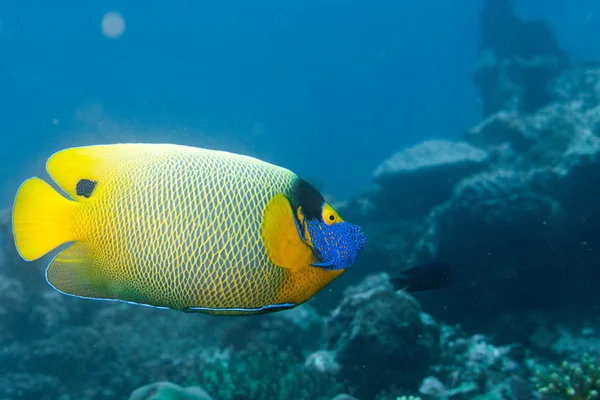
(499, 200)
(9, 253)
(471, 367)
(572, 180)
(492, 229)
(29, 308)
(578, 85)
(169, 391)
(322, 362)
(529, 216)
(167, 345)
(29, 386)
(380, 337)
(299, 329)
(118, 349)
(526, 224)
(498, 129)
(13, 305)
(264, 373)
(565, 342)
(344, 397)
(542, 139)
(65, 359)
(14, 302)
(430, 154)
(572, 347)
(420, 177)
(431, 386)
(517, 60)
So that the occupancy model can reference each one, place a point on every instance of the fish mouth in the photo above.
(336, 246)
(359, 240)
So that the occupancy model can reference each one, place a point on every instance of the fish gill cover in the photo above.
(514, 204)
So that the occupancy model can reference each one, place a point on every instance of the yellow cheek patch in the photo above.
(300, 215)
(284, 245)
(303, 226)
(329, 215)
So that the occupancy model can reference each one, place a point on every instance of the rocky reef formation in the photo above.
(60, 347)
(514, 204)
(376, 343)
(381, 337)
(169, 391)
(517, 60)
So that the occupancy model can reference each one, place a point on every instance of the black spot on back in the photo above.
(85, 188)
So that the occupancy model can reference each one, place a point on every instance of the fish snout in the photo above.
(357, 241)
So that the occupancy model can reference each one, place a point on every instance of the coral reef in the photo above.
(169, 391)
(516, 63)
(579, 381)
(471, 367)
(374, 320)
(255, 374)
(537, 193)
(514, 204)
(423, 176)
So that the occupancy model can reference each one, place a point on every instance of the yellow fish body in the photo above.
(182, 228)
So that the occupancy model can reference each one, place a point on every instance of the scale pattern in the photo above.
(181, 228)
(339, 244)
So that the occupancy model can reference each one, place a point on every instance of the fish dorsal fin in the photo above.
(79, 170)
(281, 236)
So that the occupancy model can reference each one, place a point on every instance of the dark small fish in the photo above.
(430, 276)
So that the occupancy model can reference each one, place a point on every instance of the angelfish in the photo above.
(182, 228)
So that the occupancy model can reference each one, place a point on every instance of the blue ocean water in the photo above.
(301, 83)
(345, 94)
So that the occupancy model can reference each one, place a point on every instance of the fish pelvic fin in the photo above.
(41, 219)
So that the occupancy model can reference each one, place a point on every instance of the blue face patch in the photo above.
(337, 245)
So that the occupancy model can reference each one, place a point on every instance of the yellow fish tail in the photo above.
(41, 219)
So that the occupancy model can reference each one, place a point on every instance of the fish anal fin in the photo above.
(76, 272)
(281, 237)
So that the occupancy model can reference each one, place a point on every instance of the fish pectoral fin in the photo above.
(80, 171)
(76, 272)
(324, 264)
(285, 247)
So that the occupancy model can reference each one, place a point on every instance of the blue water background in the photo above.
(325, 88)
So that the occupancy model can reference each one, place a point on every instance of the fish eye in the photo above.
(329, 215)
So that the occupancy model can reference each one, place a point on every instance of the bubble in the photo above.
(113, 25)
